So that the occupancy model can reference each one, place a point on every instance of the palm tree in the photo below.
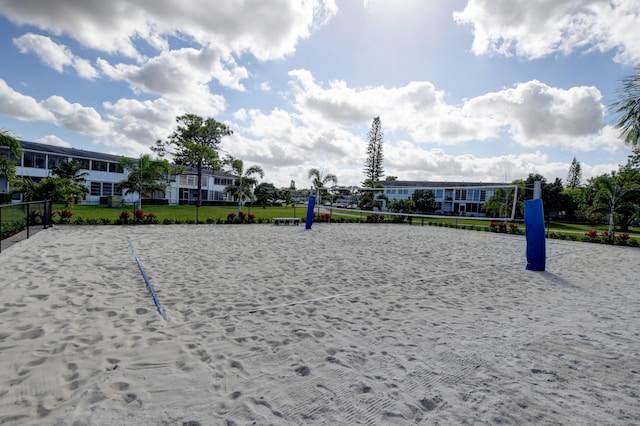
(628, 108)
(72, 170)
(319, 181)
(58, 190)
(241, 188)
(7, 166)
(612, 197)
(145, 176)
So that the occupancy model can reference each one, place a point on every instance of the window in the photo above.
(95, 188)
(113, 168)
(439, 193)
(483, 195)
(34, 160)
(84, 163)
(99, 166)
(107, 188)
(54, 160)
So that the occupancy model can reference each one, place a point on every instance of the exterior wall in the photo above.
(103, 175)
(449, 198)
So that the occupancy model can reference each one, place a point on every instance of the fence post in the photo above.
(26, 209)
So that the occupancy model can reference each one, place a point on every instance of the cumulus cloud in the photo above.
(534, 113)
(55, 55)
(181, 76)
(22, 107)
(268, 30)
(54, 141)
(536, 28)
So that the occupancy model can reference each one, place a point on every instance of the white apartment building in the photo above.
(103, 171)
(457, 198)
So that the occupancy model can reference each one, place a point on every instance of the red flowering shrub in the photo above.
(513, 228)
(252, 217)
(623, 237)
(592, 233)
(65, 216)
(139, 215)
(375, 218)
(493, 226)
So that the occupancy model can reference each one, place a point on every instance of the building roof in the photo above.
(438, 184)
(94, 155)
(68, 152)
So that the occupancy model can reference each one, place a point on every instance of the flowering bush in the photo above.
(493, 226)
(138, 215)
(592, 234)
(231, 217)
(375, 218)
(151, 218)
(252, 217)
(123, 217)
(242, 216)
(513, 228)
(65, 216)
(502, 227)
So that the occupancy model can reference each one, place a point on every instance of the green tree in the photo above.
(72, 170)
(575, 174)
(265, 193)
(319, 180)
(615, 198)
(628, 109)
(241, 187)
(373, 169)
(58, 190)
(145, 176)
(425, 200)
(194, 144)
(7, 166)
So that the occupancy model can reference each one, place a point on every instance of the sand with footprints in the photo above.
(340, 324)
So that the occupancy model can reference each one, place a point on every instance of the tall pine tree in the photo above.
(373, 169)
(575, 174)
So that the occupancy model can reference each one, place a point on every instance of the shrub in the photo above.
(251, 218)
(167, 221)
(210, 221)
(592, 234)
(123, 217)
(78, 220)
(65, 216)
(151, 218)
(375, 218)
(105, 221)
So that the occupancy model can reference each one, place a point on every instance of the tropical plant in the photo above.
(194, 144)
(72, 170)
(319, 180)
(241, 187)
(425, 200)
(266, 192)
(612, 198)
(14, 148)
(628, 109)
(58, 190)
(144, 176)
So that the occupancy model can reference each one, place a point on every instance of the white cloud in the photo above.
(76, 117)
(22, 107)
(537, 28)
(54, 141)
(268, 30)
(534, 113)
(55, 55)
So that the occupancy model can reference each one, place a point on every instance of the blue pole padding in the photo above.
(534, 229)
(148, 282)
(312, 203)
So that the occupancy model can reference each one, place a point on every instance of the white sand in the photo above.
(413, 325)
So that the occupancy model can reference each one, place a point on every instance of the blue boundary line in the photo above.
(146, 280)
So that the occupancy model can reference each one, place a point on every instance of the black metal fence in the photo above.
(18, 220)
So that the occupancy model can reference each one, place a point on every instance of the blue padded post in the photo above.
(312, 203)
(534, 229)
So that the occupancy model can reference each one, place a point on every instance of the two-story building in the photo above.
(104, 173)
(457, 198)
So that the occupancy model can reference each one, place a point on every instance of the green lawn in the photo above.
(187, 214)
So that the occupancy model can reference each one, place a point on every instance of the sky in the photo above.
(466, 90)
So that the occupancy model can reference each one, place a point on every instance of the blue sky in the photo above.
(466, 90)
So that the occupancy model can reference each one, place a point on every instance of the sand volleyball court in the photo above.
(343, 324)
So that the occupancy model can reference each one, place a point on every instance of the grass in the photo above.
(186, 214)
